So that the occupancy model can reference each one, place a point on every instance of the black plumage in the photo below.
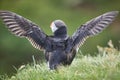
(59, 48)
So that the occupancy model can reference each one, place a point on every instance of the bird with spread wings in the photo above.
(59, 49)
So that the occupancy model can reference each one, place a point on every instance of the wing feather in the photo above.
(92, 27)
(24, 28)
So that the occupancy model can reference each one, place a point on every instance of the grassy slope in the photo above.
(104, 66)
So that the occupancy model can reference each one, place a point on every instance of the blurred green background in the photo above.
(16, 51)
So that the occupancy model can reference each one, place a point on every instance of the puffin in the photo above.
(59, 48)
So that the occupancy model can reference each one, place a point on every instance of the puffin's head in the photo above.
(56, 25)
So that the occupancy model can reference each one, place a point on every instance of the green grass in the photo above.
(104, 66)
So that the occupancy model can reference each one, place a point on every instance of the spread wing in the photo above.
(24, 28)
(92, 27)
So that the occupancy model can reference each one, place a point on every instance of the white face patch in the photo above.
(53, 27)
